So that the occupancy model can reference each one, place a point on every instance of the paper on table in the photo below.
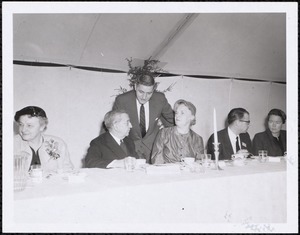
(77, 178)
(163, 169)
(274, 159)
(116, 164)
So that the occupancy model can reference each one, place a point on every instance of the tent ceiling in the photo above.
(242, 45)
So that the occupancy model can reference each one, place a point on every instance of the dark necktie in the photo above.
(123, 146)
(237, 144)
(142, 121)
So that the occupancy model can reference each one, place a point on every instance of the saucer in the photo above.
(239, 162)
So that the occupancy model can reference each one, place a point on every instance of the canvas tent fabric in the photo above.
(230, 45)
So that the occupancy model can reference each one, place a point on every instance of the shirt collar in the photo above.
(139, 104)
(116, 138)
(232, 134)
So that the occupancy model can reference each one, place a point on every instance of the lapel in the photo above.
(243, 142)
(133, 113)
(113, 145)
(152, 116)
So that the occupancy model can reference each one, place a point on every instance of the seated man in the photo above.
(112, 147)
(235, 137)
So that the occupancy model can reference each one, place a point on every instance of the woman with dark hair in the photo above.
(172, 144)
(273, 139)
(48, 151)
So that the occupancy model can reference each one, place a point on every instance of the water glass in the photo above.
(263, 155)
(207, 160)
(140, 163)
(129, 163)
(36, 173)
(197, 168)
(199, 158)
(20, 171)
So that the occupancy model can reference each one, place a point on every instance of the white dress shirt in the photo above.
(232, 137)
(116, 163)
(146, 107)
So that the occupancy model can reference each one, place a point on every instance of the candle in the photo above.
(215, 128)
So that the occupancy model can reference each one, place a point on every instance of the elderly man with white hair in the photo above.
(110, 148)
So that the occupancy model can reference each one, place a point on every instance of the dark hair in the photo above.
(236, 114)
(112, 117)
(145, 79)
(189, 105)
(32, 111)
(277, 112)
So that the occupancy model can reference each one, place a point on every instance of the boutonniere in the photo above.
(159, 123)
(244, 144)
(52, 149)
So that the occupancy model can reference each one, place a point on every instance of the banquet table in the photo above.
(253, 193)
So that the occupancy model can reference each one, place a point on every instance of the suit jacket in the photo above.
(158, 108)
(265, 141)
(225, 147)
(104, 149)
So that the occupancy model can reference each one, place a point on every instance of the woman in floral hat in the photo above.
(48, 151)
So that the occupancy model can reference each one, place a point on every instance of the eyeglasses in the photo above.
(248, 122)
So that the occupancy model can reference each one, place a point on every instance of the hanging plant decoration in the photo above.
(150, 67)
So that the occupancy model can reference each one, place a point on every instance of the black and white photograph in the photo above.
(150, 117)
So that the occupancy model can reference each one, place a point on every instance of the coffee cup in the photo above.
(188, 160)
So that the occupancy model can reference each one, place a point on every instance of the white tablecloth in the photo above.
(254, 193)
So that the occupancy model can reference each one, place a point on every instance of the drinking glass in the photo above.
(36, 173)
(263, 155)
(199, 158)
(197, 168)
(129, 163)
(207, 160)
(20, 171)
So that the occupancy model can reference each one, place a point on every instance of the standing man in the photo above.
(110, 148)
(147, 109)
(235, 137)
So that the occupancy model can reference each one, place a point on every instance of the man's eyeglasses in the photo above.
(248, 122)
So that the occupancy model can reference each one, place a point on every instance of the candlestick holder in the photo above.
(216, 152)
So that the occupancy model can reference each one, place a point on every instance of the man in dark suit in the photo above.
(235, 137)
(147, 110)
(110, 148)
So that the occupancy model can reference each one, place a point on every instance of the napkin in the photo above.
(116, 164)
(163, 169)
(274, 159)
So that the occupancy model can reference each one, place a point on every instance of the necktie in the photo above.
(142, 121)
(237, 144)
(123, 146)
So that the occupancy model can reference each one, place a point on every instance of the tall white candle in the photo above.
(215, 128)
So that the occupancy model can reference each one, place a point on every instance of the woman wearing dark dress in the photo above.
(273, 139)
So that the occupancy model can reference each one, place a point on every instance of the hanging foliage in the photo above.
(149, 67)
